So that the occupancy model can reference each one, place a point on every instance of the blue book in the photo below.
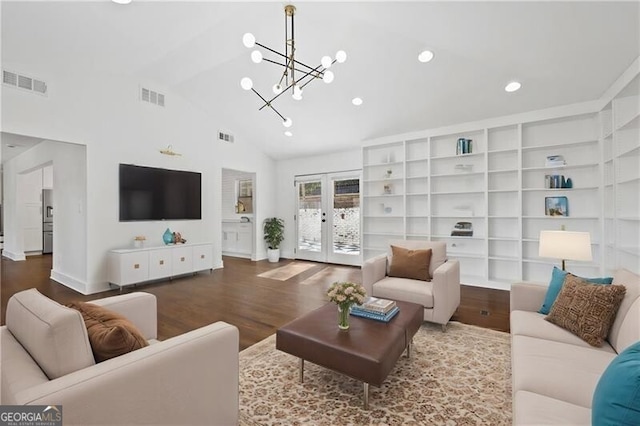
(373, 315)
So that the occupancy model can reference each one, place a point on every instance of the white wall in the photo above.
(117, 128)
(289, 169)
(69, 206)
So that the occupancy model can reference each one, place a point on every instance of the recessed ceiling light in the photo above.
(356, 101)
(425, 56)
(121, 1)
(288, 133)
(512, 87)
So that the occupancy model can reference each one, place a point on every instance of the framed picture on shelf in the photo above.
(556, 206)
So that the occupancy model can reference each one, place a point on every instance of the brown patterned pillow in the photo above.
(110, 334)
(407, 263)
(587, 310)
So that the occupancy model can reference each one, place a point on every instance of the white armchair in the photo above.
(440, 296)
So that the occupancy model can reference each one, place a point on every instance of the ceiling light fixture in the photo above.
(356, 101)
(512, 87)
(288, 80)
(425, 56)
(288, 133)
(121, 1)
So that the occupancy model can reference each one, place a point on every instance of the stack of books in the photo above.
(377, 309)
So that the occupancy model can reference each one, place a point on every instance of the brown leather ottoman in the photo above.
(368, 351)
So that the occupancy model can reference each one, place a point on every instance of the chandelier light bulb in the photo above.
(248, 40)
(327, 77)
(297, 93)
(287, 122)
(246, 83)
(341, 56)
(425, 56)
(326, 61)
(277, 89)
(256, 56)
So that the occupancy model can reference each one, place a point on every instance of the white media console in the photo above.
(137, 265)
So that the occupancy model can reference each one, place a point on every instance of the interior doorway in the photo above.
(238, 213)
(328, 218)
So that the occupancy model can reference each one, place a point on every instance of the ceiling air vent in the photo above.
(151, 96)
(24, 82)
(223, 136)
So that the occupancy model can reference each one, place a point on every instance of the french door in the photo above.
(328, 218)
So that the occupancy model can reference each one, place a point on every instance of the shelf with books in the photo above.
(464, 143)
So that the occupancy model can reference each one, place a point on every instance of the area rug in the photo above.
(331, 274)
(288, 271)
(461, 377)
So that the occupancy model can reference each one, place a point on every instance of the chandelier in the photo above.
(295, 75)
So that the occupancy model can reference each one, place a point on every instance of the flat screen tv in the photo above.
(148, 193)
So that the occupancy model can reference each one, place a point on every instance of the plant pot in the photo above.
(273, 255)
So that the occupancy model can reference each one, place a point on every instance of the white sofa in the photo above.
(191, 379)
(555, 372)
(440, 296)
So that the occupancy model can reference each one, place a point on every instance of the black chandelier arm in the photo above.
(267, 103)
(283, 55)
(320, 73)
(309, 73)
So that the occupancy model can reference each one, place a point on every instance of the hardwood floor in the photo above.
(235, 294)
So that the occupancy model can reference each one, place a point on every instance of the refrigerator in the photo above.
(47, 221)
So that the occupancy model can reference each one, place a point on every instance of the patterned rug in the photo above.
(290, 270)
(461, 377)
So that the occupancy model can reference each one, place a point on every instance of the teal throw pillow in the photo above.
(555, 285)
(616, 400)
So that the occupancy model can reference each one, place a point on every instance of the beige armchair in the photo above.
(191, 379)
(440, 296)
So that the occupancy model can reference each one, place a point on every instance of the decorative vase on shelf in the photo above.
(167, 237)
(343, 316)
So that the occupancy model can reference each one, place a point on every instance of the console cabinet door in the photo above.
(182, 262)
(129, 268)
(202, 257)
(160, 264)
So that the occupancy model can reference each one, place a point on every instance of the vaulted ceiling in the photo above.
(561, 52)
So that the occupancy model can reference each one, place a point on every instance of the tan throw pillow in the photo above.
(110, 334)
(412, 264)
(587, 310)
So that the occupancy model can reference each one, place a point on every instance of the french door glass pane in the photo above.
(346, 216)
(309, 216)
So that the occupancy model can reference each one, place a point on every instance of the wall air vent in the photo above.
(224, 136)
(151, 96)
(24, 82)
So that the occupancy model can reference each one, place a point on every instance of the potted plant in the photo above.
(273, 228)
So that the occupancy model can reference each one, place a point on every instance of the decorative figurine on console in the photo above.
(177, 238)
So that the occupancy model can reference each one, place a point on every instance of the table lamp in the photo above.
(565, 245)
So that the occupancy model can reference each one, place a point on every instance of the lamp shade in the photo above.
(565, 245)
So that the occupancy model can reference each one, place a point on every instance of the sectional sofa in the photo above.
(555, 373)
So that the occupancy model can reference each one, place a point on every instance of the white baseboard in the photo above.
(70, 282)
(14, 256)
